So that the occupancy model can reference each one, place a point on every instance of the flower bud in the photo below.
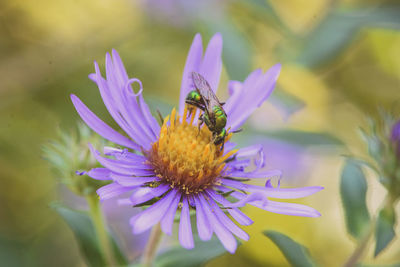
(69, 157)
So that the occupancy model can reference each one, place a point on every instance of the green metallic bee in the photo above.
(214, 115)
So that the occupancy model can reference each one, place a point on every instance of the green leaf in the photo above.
(296, 254)
(340, 27)
(202, 253)
(384, 232)
(83, 229)
(353, 189)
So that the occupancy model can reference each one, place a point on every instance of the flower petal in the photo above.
(259, 197)
(153, 214)
(235, 89)
(193, 61)
(288, 208)
(118, 166)
(168, 220)
(185, 227)
(119, 66)
(284, 193)
(239, 216)
(255, 174)
(143, 194)
(125, 156)
(233, 228)
(112, 190)
(252, 95)
(211, 65)
(225, 236)
(203, 227)
(99, 173)
(151, 121)
(101, 127)
(127, 103)
(130, 180)
(113, 103)
(255, 152)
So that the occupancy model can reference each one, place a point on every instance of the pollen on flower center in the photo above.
(185, 157)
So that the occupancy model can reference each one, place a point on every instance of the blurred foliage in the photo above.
(353, 189)
(340, 59)
(83, 229)
(295, 253)
(70, 158)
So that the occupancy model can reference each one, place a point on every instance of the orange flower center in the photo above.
(185, 156)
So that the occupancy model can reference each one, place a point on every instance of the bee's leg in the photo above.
(223, 144)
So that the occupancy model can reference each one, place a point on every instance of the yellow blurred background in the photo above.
(340, 58)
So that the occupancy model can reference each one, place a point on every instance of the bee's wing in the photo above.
(204, 89)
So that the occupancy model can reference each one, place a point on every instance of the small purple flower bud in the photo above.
(80, 173)
(396, 137)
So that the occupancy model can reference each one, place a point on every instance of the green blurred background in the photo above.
(341, 61)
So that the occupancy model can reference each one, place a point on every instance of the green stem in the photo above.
(362, 245)
(151, 246)
(100, 229)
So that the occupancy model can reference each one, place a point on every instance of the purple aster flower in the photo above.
(176, 165)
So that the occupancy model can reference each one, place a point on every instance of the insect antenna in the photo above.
(237, 131)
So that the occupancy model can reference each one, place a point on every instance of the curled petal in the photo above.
(255, 152)
(239, 165)
(116, 101)
(128, 87)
